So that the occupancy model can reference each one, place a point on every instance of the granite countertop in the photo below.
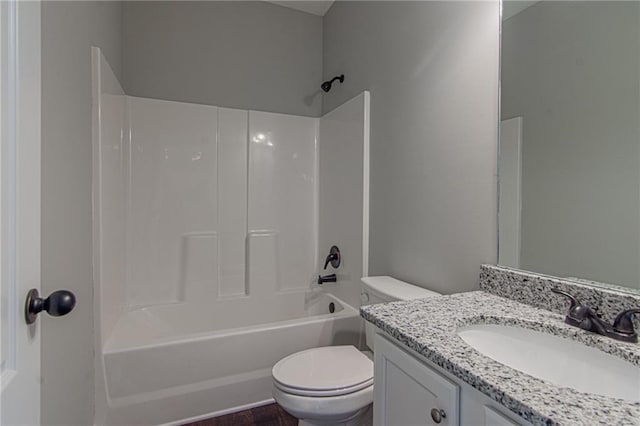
(428, 326)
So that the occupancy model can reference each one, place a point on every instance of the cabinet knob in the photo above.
(437, 415)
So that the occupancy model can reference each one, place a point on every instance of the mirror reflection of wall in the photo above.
(570, 145)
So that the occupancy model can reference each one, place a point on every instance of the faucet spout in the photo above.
(331, 278)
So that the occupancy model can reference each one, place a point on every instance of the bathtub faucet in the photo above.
(327, 278)
(333, 258)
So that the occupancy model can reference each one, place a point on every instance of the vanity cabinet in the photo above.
(406, 391)
(410, 391)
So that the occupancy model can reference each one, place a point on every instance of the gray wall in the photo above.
(250, 55)
(432, 69)
(68, 32)
(571, 70)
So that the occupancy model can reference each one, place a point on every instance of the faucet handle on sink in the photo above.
(624, 321)
(578, 315)
(571, 297)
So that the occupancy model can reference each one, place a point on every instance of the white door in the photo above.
(20, 212)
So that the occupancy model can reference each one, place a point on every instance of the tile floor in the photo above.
(268, 415)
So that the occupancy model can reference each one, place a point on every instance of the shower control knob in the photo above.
(437, 415)
(333, 258)
(58, 303)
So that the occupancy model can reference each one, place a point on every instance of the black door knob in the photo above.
(59, 303)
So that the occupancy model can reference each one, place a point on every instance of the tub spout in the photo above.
(327, 278)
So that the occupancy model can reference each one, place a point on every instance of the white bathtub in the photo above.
(166, 364)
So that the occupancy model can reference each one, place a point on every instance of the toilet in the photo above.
(333, 385)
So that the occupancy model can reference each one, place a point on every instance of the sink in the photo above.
(560, 361)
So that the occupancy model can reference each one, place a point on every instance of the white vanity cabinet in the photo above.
(410, 391)
(406, 390)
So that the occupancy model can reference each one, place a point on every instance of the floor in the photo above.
(267, 415)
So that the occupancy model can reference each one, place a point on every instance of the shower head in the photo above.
(326, 86)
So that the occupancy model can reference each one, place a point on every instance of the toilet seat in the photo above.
(328, 410)
(324, 393)
(323, 372)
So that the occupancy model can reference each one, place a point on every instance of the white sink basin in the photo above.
(553, 359)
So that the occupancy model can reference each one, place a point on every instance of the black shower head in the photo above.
(326, 86)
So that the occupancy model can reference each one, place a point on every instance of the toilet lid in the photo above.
(331, 369)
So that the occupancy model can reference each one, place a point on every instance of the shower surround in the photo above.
(206, 248)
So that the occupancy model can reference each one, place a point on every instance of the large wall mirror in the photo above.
(570, 140)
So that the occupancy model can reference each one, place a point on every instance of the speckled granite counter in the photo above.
(428, 326)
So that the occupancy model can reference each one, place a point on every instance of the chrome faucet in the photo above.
(584, 317)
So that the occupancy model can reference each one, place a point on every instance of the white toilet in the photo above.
(333, 385)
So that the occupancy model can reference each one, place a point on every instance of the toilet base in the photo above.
(364, 417)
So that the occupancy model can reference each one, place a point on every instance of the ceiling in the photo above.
(316, 7)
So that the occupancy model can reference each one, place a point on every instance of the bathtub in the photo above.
(172, 363)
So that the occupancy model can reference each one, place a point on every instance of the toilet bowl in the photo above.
(333, 385)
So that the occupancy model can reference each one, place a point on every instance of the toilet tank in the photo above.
(385, 289)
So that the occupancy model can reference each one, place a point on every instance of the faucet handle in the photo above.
(624, 321)
(333, 257)
(578, 315)
(573, 301)
(330, 258)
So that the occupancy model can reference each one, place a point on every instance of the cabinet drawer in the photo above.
(407, 391)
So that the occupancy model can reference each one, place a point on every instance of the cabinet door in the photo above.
(406, 390)
(493, 417)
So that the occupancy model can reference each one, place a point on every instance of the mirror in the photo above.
(569, 161)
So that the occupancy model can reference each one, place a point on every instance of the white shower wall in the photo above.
(344, 193)
(215, 203)
(282, 211)
(203, 180)
(172, 214)
(110, 174)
